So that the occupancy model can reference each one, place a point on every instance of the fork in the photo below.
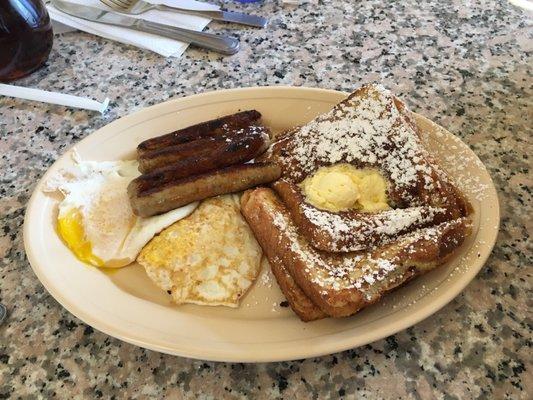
(136, 7)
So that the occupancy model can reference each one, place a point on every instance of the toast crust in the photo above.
(299, 302)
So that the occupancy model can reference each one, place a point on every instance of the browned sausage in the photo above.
(208, 153)
(199, 164)
(216, 127)
(147, 200)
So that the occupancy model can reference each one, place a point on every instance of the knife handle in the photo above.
(220, 43)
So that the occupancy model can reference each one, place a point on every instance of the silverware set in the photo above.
(220, 43)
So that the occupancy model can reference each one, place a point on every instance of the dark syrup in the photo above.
(25, 37)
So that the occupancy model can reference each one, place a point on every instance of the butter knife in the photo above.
(220, 43)
(140, 6)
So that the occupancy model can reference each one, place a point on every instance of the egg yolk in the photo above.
(342, 187)
(70, 228)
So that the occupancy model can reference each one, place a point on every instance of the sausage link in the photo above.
(213, 128)
(208, 153)
(151, 200)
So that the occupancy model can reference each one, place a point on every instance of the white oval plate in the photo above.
(126, 305)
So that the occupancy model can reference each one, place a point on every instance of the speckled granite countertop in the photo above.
(467, 65)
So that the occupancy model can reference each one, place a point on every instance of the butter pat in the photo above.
(342, 187)
(331, 189)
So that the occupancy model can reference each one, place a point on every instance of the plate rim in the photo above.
(223, 356)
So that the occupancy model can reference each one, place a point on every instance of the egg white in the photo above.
(95, 218)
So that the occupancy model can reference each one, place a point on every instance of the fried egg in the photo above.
(95, 219)
(209, 258)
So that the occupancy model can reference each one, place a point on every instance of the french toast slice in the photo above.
(371, 128)
(341, 284)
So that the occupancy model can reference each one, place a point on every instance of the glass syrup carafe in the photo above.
(25, 37)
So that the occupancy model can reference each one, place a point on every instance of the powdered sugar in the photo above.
(366, 130)
(365, 271)
(371, 128)
(368, 229)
